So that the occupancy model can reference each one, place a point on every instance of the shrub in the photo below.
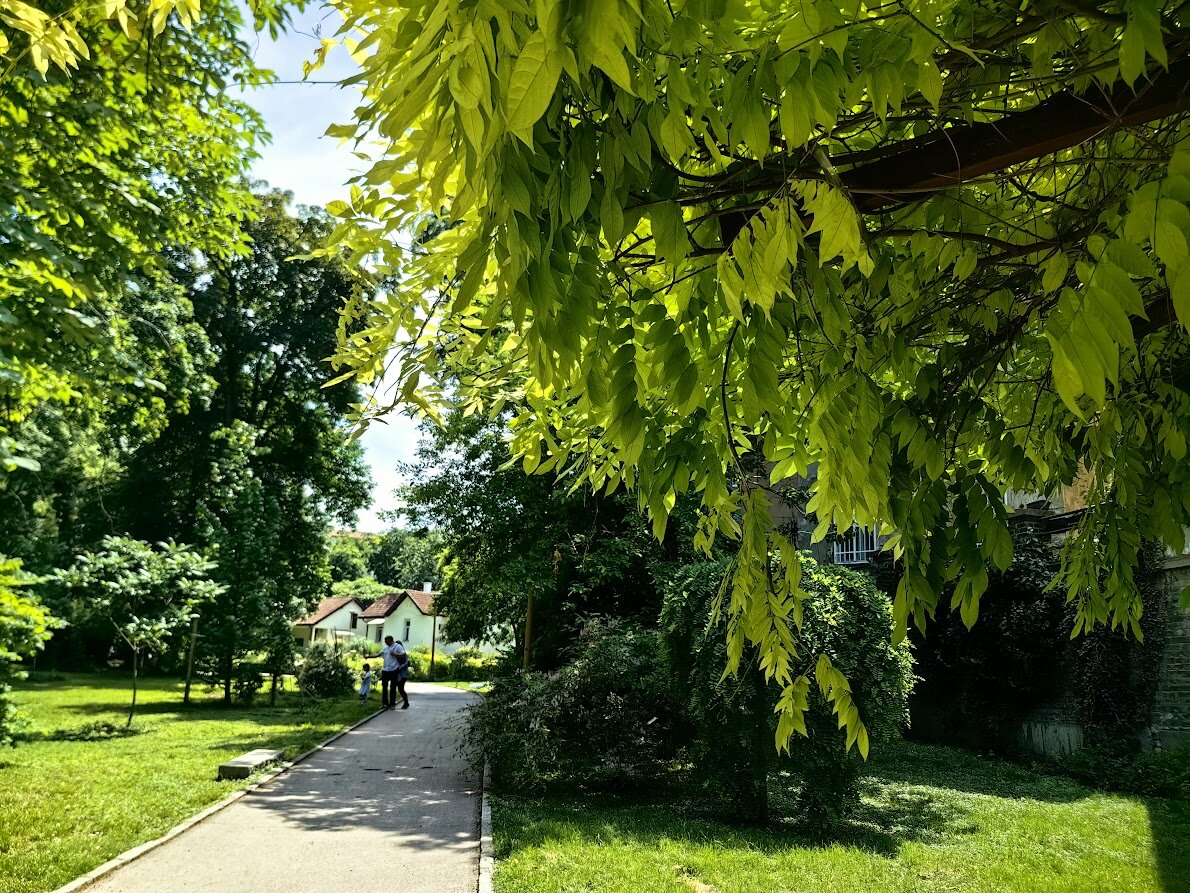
(603, 720)
(24, 628)
(360, 646)
(419, 664)
(848, 618)
(1161, 773)
(469, 664)
(324, 673)
(844, 616)
(247, 677)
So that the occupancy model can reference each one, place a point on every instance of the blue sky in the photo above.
(315, 168)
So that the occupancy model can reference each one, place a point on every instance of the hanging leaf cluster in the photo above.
(921, 252)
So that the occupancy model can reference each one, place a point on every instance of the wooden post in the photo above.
(190, 659)
(528, 630)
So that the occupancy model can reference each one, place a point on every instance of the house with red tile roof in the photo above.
(408, 616)
(333, 619)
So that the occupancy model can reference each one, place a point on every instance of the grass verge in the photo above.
(67, 806)
(932, 820)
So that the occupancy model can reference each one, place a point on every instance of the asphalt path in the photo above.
(391, 805)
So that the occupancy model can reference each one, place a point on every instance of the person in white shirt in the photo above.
(391, 683)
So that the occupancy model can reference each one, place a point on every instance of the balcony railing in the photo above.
(855, 546)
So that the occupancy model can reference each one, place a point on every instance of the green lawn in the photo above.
(932, 820)
(68, 806)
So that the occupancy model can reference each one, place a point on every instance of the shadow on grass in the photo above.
(882, 825)
(1169, 824)
(957, 770)
(912, 794)
(948, 768)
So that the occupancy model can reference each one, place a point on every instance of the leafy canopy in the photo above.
(928, 251)
(117, 141)
(25, 626)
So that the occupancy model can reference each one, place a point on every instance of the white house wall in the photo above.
(333, 625)
(421, 630)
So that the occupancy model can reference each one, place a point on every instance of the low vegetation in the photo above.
(931, 819)
(78, 790)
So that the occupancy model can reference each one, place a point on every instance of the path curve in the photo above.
(391, 802)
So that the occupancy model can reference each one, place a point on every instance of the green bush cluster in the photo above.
(465, 665)
(24, 628)
(632, 704)
(325, 674)
(1160, 773)
(603, 720)
(845, 617)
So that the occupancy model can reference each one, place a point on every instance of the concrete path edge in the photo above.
(487, 857)
(136, 852)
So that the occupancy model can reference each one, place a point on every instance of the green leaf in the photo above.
(1132, 54)
(929, 82)
(1179, 291)
(669, 231)
(531, 87)
(1053, 272)
(611, 217)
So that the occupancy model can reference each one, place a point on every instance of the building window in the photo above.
(855, 545)
(379, 627)
(354, 620)
(299, 641)
(408, 623)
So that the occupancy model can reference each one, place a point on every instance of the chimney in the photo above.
(427, 586)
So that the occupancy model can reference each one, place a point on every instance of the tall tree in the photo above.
(510, 538)
(262, 467)
(932, 250)
(407, 559)
(117, 140)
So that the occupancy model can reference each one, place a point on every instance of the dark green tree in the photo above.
(134, 148)
(406, 559)
(350, 555)
(511, 536)
(262, 467)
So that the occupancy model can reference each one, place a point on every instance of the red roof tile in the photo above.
(386, 604)
(325, 609)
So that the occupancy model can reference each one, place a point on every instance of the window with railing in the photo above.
(856, 545)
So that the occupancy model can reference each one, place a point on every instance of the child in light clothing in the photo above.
(365, 688)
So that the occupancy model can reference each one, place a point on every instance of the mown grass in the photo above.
(932, 820)
(68, 806)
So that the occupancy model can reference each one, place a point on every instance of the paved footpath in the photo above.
(389, 806)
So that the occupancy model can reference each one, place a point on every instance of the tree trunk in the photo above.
(132, 706)
(227, 666)
(755, 805)
(190, 659)
(528, 632)
(273, 691)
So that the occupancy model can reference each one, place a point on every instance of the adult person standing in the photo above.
(402, 678)
(393, 654)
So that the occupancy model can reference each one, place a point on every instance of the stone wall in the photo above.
(1171, 707)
